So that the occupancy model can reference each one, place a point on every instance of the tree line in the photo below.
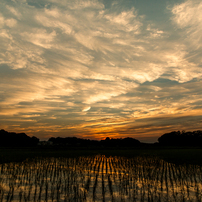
(11, 139)
(178, 138)
(73, 141)
(174, 138)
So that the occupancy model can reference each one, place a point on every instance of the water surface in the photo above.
(99, 178)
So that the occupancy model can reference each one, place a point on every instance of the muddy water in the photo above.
(99, 178)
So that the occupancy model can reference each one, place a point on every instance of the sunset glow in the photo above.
(100, 68)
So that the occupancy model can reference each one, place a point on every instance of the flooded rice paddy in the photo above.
(99, 178)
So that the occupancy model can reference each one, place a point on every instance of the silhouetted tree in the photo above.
(73, 141)
(11, 139)
(119, 142)
(177, 138)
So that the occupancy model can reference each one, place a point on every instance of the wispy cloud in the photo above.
(65, 63)
(188, 16)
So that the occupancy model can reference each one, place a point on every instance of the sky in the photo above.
(100, 68)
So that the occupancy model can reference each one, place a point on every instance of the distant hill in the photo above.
(11, 139)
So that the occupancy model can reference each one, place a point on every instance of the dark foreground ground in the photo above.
(188, 155)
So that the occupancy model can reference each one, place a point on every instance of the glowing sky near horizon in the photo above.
(100, 68)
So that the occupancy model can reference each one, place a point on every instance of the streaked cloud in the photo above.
(188, 16)
(92, 68)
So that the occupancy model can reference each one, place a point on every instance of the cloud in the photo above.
(14, 11)
(188, 16)
(86, 109)
(71, 62)
(10, 22)
(105, 41)
(126, 20)
(39, 37)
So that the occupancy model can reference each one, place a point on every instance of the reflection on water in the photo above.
(99, 178)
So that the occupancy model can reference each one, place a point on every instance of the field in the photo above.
(138, 175)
